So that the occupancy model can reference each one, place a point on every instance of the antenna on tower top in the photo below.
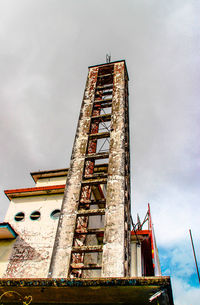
(108, 58)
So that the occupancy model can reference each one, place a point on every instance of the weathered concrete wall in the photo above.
(29, 255)
(6, 247)
(113, 249)
(64, 237)
(115, 243)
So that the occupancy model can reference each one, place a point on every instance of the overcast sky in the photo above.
(45, 49)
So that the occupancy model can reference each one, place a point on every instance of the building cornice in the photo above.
(49, 174)
(35, 191)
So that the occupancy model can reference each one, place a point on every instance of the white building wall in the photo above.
(32, 250)
(50, 181)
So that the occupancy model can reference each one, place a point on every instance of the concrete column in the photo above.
(139, 260)
(136, 259)
(64, 238)
(114, 236)
(133, 259)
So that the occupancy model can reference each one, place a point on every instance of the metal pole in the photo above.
(194, 255)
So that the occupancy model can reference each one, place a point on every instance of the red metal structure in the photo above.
(149, 251)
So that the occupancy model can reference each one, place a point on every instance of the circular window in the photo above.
(55, 214)
(19, 216)
(35, 215)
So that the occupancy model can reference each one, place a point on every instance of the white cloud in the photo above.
(184, 293)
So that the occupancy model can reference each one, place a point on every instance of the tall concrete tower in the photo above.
(93, 235)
